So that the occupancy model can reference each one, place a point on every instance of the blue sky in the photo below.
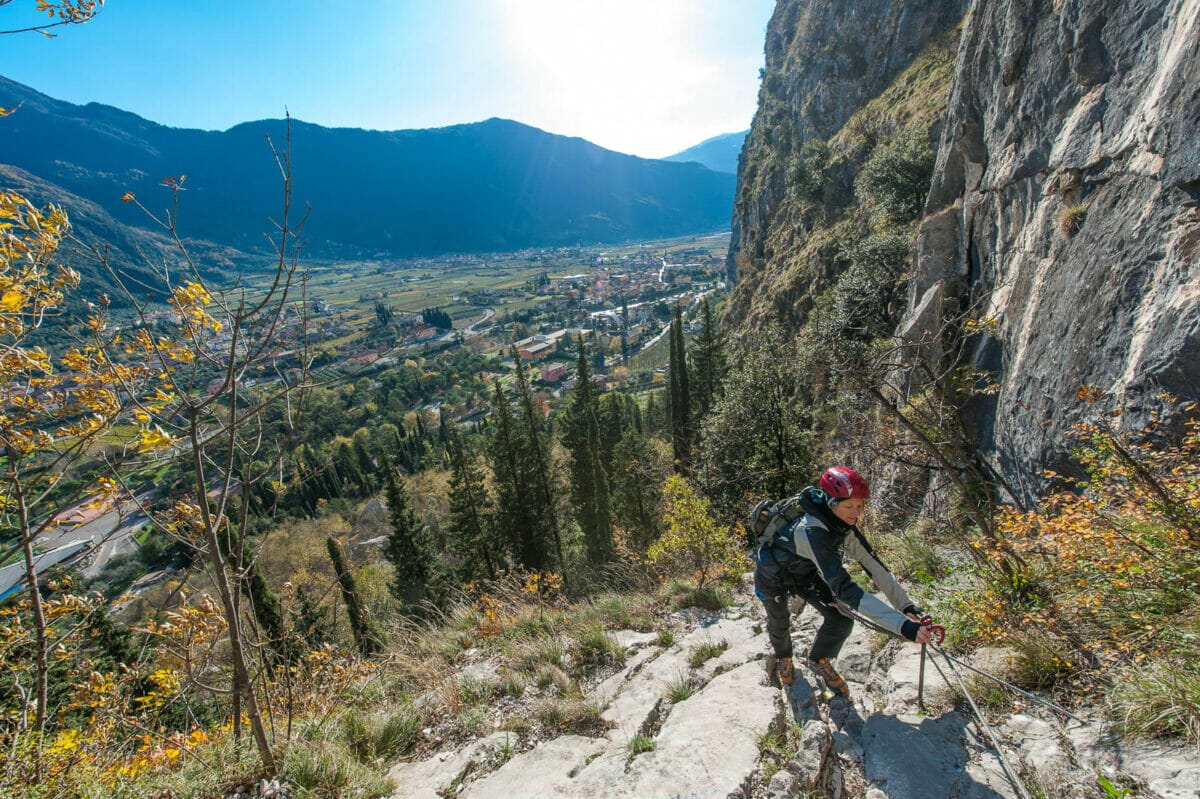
(649, 77)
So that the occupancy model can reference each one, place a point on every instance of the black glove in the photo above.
(910, 629)
(914, 610)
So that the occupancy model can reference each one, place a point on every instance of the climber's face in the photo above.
(849, 510)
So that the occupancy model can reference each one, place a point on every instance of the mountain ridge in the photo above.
(718, 153)
(492, 185)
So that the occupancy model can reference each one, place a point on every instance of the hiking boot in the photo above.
(785, 671)
(825, 670)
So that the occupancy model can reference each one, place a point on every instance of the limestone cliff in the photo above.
(826, 61)
(1064, 204)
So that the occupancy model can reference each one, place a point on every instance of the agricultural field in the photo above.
(353, 288)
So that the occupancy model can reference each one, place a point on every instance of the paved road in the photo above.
(111, 533)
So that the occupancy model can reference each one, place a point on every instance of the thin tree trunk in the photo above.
(241, 674)
(42, 667)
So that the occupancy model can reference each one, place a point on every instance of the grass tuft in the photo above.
(330, 770)
(710, 597)
(640, 744)
(681, 688)
(1070, 219)
(705, 652)
(1161, 701)
(596, 647)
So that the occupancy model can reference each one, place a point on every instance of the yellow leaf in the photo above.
(12, 300)
(154, 438)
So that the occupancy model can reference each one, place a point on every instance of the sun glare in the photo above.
(580, 56)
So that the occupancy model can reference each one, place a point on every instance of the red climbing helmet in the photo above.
(842, 482)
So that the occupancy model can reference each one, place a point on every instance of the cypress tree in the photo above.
(650, 418)
(680, 396)
(472, 524)
(535, 451)
(362, 457)
(366, 637)
(709, 360)
(599, 539)
(589, 480)
(264, 603)
(409, 546)
(513, 512)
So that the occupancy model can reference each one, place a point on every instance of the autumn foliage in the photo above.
(695, 543)
(1112, 561)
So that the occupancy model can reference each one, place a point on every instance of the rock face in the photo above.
(824, 61)
(1065, 206)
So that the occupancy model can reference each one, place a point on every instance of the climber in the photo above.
(804, 560)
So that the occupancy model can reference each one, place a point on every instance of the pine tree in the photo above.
(409, 546)
(640, 465)
(471, 526)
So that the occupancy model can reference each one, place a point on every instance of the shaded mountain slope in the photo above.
(491, 185)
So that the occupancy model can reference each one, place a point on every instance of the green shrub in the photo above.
(895, 180)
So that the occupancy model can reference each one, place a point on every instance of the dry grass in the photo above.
(1070, 219)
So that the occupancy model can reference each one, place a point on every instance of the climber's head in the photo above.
(847, 492)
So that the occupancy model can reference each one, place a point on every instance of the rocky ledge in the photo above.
(730, 735)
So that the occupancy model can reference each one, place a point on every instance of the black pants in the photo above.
(834, 630)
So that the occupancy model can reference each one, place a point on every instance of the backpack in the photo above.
(770, 517)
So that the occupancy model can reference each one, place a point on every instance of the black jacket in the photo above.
(812, 548)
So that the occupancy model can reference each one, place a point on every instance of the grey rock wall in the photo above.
(1090, 105)
(825, 59)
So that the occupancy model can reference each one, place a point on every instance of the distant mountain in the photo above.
(487, 186)
(720, 153)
